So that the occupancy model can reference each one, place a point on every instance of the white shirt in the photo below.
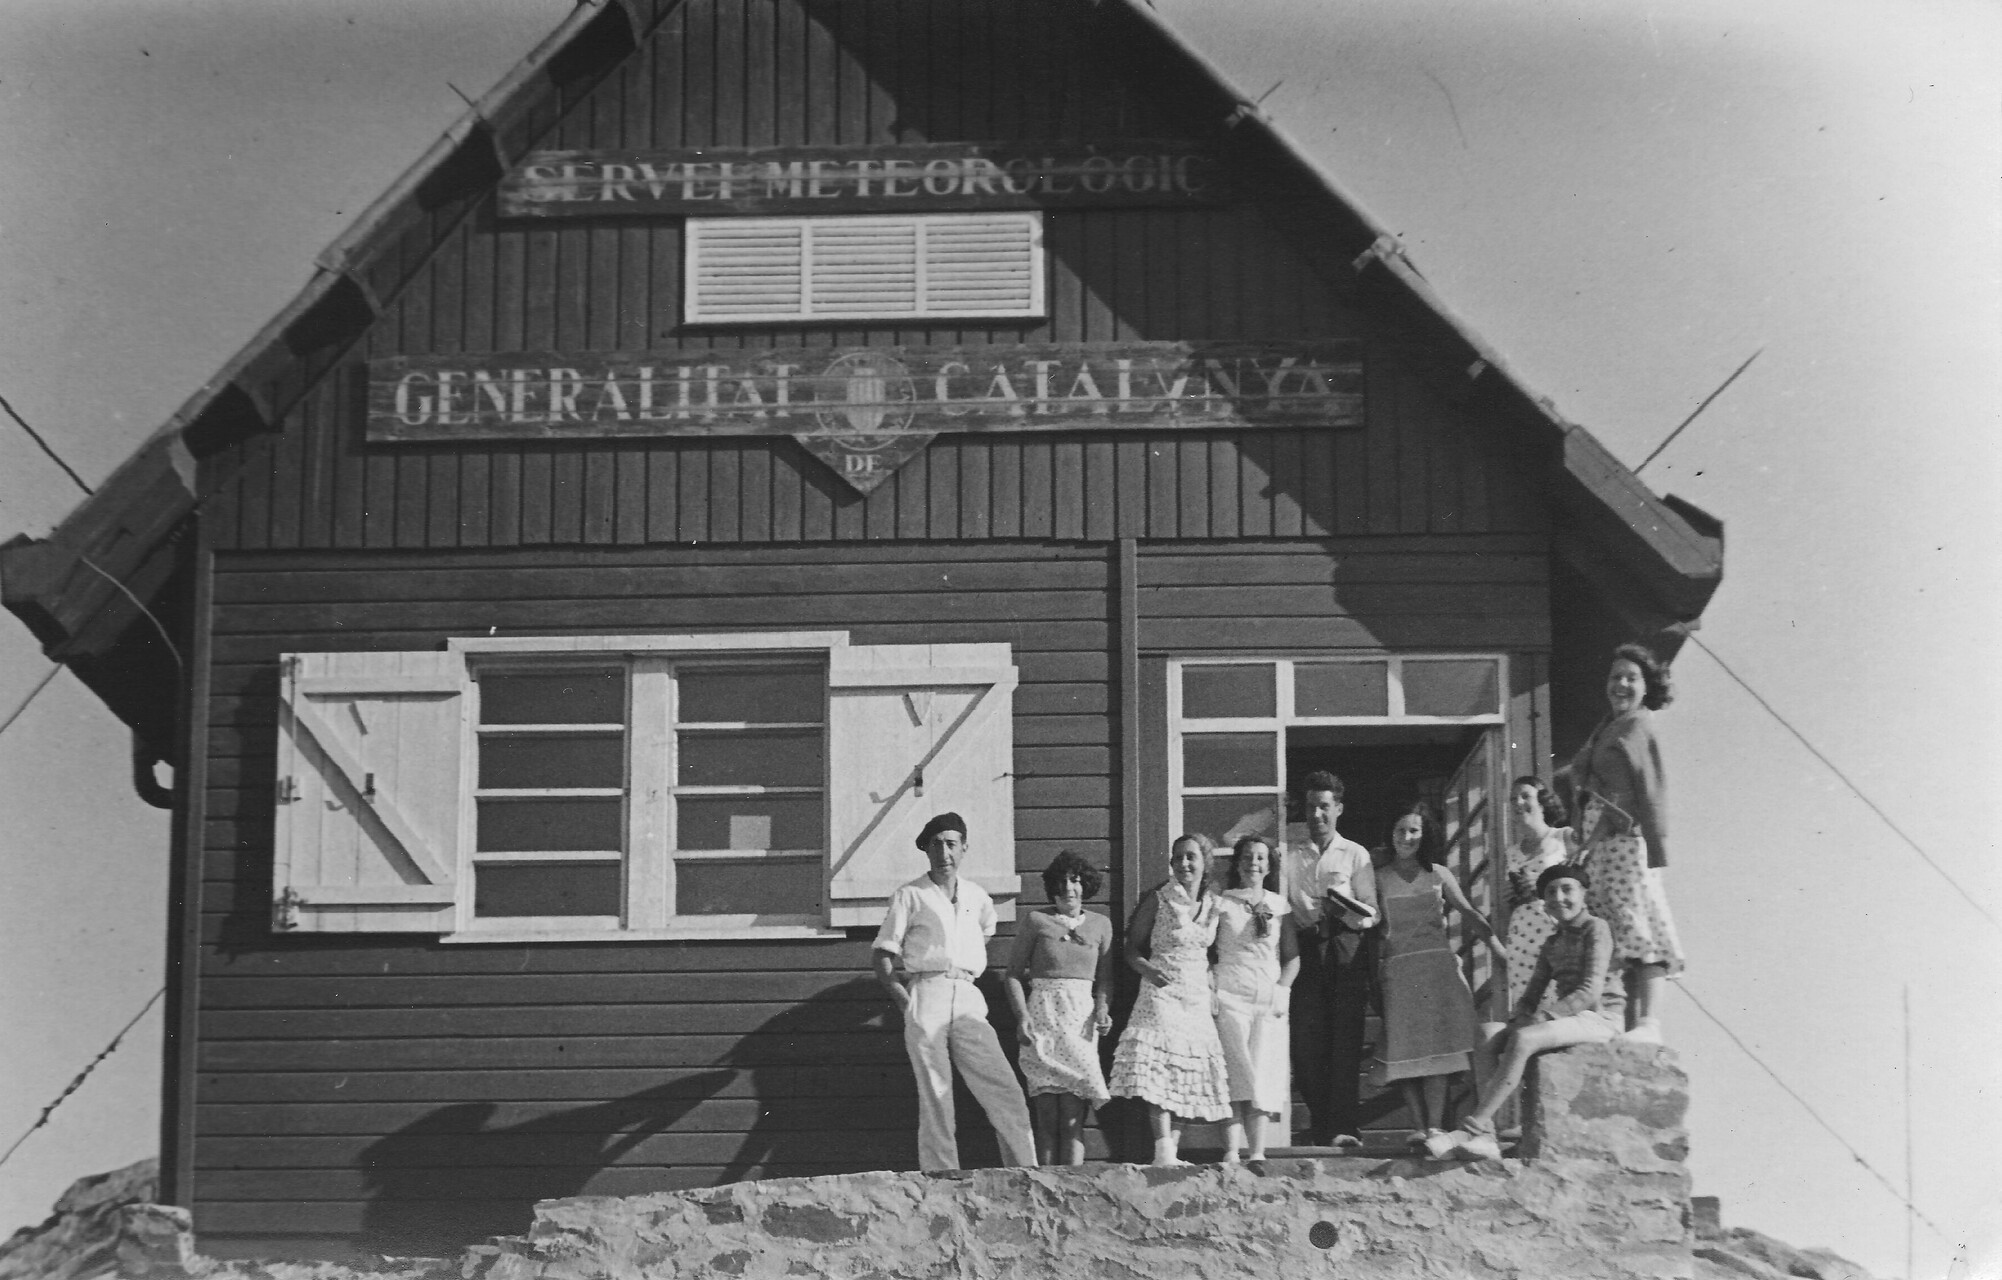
(1306, 871)
(934, 933)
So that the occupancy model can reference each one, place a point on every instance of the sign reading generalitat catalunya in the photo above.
(866, 410)
(927, 178)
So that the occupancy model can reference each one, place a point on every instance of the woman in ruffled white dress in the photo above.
(1257, 958)
(1543, 842)
(1169, 1056)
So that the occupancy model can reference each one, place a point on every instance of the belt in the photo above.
(964, 975)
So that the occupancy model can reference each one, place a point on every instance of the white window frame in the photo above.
(695, 307)
(649, 857)
(1284, 718)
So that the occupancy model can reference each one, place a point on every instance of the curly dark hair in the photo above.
(1237, 852)
(1552, 805)
(1431, 844)
(1063, 867)
(1653, 671)
(1321, 780)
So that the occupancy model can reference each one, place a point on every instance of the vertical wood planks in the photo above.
(760, 72)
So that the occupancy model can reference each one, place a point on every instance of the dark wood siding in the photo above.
(351, 1084)
(747, 72)
(346, 1084)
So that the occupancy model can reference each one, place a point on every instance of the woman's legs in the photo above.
(1233, 1131)
(1643, 982)
(1045, 1110)
(1167, 1135)
(1069, 1145)
(1414, 1102)
(1254, 1127)
(1434, 1090)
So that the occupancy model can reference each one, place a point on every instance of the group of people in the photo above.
(1261, 975)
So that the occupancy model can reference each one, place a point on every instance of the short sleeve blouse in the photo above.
(1060, 950)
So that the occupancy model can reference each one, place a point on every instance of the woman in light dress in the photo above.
(1429, 1025)
(1169, 1056)
(1257, 958)
(1544, 841)
(1065, 954)
(1617, 785)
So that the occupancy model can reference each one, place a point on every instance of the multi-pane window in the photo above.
(748, 806)
(550, 796)
(587, 787)
(619, 796)
(1230, 722)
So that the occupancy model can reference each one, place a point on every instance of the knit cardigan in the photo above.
(1621, 764)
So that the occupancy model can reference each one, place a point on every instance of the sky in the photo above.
(1625, 199)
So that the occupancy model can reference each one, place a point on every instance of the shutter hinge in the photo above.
(288, 789)
(285, 910)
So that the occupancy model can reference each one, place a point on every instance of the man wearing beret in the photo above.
(938, 925)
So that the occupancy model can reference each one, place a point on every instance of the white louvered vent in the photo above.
(864, 268)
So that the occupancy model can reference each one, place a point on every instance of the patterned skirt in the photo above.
(1626, 893)
(1061, 1055)
(1170, 1055)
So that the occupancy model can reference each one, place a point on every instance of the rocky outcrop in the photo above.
(106, 1225)
(1600, 1192)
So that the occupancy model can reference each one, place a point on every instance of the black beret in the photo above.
(943, 822)
(1564, 871)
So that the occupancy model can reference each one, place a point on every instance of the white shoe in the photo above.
(1476, 1146)
(1440, 1144)
(1645, 1033)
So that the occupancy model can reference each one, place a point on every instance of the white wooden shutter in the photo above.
(371, 762)
(915, 730)
(864, 268)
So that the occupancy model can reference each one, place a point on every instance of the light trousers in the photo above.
(947, 1027)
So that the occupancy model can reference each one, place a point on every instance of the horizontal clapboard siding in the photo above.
(367, 1075)
(357, 1084)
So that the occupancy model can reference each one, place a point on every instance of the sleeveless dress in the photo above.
(1429, 1025)
(1529, 924)
(1251, 1012)
(1169, 1054)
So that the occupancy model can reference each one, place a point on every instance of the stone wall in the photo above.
(1605, 1195)
(1601, 1193)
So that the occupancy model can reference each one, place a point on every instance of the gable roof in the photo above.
(81, 588)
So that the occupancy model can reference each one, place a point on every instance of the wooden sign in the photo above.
(866, 410)
(917, 178)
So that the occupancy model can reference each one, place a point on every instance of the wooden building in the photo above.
(757, 425)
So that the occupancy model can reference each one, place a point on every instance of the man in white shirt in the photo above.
(938, 924)
(1337, 956)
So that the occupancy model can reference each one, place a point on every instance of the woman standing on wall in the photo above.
(1257, 958)
(1429, 1025)
(1616, 780)
(1169, 1056)
(1065, 954)
(1543, 842)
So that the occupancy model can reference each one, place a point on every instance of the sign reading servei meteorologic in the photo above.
(914, 178)
(865, 410)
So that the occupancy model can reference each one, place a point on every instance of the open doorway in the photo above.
(1383, 768)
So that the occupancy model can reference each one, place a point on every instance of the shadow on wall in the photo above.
(783, 1102)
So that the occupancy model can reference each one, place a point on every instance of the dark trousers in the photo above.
(1331, 998)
